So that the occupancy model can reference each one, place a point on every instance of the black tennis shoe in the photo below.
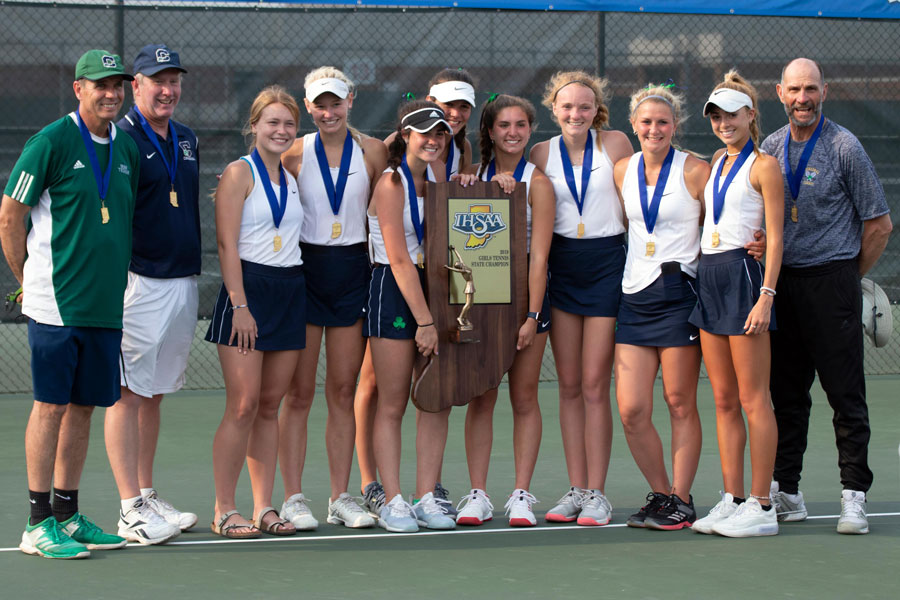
(654, 501)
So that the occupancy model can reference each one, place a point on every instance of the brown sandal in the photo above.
(276, 527)
(220, 528)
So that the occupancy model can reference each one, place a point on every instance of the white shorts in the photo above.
(157, 331)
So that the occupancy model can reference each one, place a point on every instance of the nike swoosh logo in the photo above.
(151, 155)
(352, 173)
(63, 497)
(694, 337)
(668, 193)
(544, 323)
(458, 88)
(32, 501)
(595, 169)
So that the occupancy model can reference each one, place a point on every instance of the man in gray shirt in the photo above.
(836, 225)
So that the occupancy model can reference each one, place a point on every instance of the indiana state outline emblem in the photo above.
(480, 224)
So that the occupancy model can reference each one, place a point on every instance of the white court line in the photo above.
(381, 536)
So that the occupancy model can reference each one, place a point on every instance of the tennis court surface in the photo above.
(807, 560)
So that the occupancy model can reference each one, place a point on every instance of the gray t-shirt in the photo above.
(838, 191)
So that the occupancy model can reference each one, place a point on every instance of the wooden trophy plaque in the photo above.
(475, 250)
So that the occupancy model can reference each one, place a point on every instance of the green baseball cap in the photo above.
(97, 64)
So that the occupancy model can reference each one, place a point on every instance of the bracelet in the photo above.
(767, 291)
(237, 306)
(426, 324)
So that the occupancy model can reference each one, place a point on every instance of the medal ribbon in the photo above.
(719, 194)
(170, 169)
(101, 178)
(418, 224)
(517, 174)
(794, 179)
(449, 165)
(585, 170)
(335, 196)
(652, 211)
(278, 207)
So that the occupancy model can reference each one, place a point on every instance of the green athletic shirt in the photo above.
(77, 267)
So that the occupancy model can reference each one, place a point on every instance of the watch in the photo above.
(534, 315)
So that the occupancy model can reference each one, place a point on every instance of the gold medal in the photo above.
(420, 259)
(104, 214)
(276, 243)
(581, 230)
(335, 230)
(794, 213)
(715, 239)
(173, 197)
(651, 248)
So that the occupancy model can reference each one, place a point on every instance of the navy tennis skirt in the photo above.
(727, 289)
(658, 314)
(276, 297)
(337, 278)
(586, 275)
(387, 314)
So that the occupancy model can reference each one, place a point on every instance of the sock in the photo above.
(147, 491)
(739, 500)
(40, 506)
(766, 506)
(129, 503)
(790, 488)
(65, 504)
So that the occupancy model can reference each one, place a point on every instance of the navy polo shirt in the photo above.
(166, 240)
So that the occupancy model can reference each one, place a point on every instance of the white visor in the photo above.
(877, 320)
(449, 91)
(728, 100)
(327, 84)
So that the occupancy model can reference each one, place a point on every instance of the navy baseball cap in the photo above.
(154, 58)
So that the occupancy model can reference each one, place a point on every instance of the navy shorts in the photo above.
(75, 364)
(387, 315)
(586, 275)
(276, 297)
(658, 314)
(727, 289)
(337, 278)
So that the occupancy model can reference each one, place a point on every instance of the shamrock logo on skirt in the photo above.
(399, 323)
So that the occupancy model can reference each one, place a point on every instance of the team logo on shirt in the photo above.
(480, 224)
(809, 178)
(123, 169)
(186, 150)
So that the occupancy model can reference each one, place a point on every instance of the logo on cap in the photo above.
(435, 115)
(162, 55)
(109, 62)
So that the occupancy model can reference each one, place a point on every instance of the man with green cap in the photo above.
(75, 182)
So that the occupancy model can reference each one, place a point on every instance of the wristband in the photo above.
(767, 291)
(426, 324)
(237, 306)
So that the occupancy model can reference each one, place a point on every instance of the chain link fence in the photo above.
(233, 50)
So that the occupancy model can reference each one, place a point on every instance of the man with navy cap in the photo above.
(161, 298)
(836, 225)
(75, 181)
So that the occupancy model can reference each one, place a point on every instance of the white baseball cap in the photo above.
(877, 320)
(327, 84)
(728, 100)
